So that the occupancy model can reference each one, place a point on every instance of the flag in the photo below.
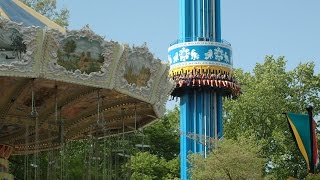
(305, 137)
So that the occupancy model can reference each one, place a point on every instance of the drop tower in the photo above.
(201, 66)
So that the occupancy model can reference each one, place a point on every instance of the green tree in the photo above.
(162, 159)
(163, 135)
(148, 166)
(49, 9)
(313, 177)
(268, 92)
(74, 162)
(69, 47)
(232, 159)
(17, 44)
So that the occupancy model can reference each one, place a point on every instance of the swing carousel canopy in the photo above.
(66, 71)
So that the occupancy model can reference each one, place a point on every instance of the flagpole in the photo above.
(309, 109)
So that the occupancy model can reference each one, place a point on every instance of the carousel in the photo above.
(58, 86)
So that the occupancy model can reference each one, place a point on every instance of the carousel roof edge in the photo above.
(17, 11)
(84, 58)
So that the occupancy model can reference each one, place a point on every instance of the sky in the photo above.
(289, 28)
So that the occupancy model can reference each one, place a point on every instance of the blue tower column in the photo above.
(219, 115)
(200, 20)
(185, 142)
(199, 63)
(217, 20)
(185, 19)
(200, 121)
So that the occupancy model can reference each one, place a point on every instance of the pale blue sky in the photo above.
(254, 28)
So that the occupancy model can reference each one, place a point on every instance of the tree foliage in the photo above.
(267, 93)
(73, 159)
(163, 135)
(148, 166)
(17, 45)
(49, 9)
(162, 160)
(69, 47)
(232, 159)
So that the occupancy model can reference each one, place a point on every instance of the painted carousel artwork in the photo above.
(58, 86)
(12, 46)
(80, 54)
(138, 75)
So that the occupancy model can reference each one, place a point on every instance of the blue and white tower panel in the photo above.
(201, 66)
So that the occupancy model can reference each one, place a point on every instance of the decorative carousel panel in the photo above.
(137, 72)
(19, 49)
(80, 57)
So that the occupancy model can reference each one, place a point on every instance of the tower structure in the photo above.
(201, 66)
